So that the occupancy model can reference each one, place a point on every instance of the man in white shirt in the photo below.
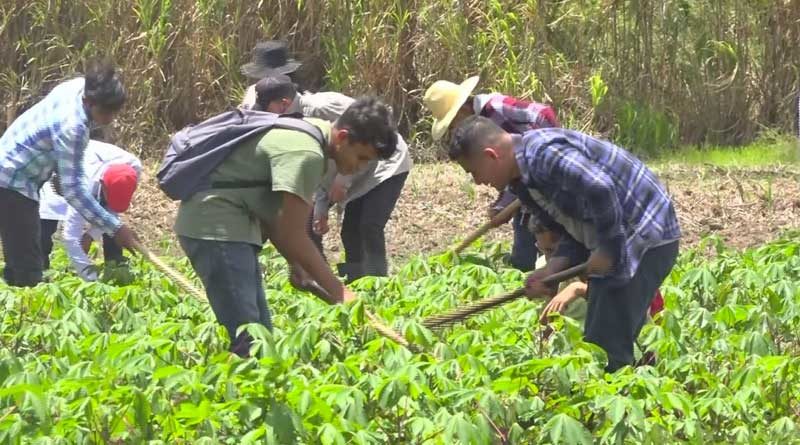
(112, 176)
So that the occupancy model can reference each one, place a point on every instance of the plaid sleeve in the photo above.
(521, 112)
(574, 173)
(69, 144)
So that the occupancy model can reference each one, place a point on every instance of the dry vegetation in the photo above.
(652, 73)
(439, 205)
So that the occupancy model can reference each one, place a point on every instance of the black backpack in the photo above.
(196, 150)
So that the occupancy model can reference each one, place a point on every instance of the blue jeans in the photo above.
(231, 276)
(523, 252)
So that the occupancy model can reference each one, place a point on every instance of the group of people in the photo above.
(583, 199)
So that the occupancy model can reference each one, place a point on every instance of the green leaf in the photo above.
(329, 435)
(563, 428)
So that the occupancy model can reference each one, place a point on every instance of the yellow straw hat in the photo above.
(444, 99)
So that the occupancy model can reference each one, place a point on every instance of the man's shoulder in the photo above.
(328, 105)
(289, 140)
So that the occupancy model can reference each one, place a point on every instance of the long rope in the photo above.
(466, 311)
(184, 283)
(173, 274)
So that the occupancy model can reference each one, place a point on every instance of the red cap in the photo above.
(119, 183)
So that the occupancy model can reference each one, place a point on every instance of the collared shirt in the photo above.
(514, 116)
(51, 138)
(96, 160)
(589, 182)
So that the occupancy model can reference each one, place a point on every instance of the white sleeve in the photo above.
(74, 228)
(249, 97)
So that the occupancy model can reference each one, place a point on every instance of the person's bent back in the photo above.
(264, 189)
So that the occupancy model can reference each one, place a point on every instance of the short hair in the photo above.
(471, 135)
(103, 86)
(273, 88)
(369, 121)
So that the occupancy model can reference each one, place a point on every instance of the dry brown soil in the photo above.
(440, 205)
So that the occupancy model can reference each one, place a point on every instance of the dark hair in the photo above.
(273, 88)
(473, 134)
(104, 86)
(369, 121)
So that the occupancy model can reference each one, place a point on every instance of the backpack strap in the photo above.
(289, 122)
(286, 122)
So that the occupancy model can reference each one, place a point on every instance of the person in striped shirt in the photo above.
(49, 140)
(608, 202)
(451, 103)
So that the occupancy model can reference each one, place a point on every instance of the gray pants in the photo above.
(232, 278)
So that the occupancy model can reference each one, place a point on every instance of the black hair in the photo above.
(473, 134)
(369, 121)
(273, 88)
(104, 86)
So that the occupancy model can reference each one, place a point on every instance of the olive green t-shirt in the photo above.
(292, 161)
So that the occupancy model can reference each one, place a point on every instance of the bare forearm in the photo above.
(300, 250)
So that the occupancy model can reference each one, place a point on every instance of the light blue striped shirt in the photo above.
(50, 138)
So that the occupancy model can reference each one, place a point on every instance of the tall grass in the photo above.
(651, 74)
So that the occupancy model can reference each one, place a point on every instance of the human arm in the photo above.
(73, 232)
(288, 235)
(559, 303)
(520, 113)
(565, 167)
(322, 199)
(69, 145)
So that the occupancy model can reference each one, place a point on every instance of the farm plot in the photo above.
(145, 363)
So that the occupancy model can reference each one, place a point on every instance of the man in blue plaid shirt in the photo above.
(49, 140)
(609, 202)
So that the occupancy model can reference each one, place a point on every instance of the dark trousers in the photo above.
(363, 227)
(48, 229)
(20, 234)
(523, 251)
(111, 251)
(231, 275)
(616, 314)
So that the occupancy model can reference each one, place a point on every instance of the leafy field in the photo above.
(94, 363)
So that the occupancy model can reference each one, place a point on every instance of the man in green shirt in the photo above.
(221, 229)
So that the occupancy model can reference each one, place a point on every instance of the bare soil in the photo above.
(439, 206)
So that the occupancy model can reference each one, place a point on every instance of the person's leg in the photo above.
(351, 239)
(616, 314)
(378, 205)
(48, 227)
(20, 231)
(231, 276)
(523, 251)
